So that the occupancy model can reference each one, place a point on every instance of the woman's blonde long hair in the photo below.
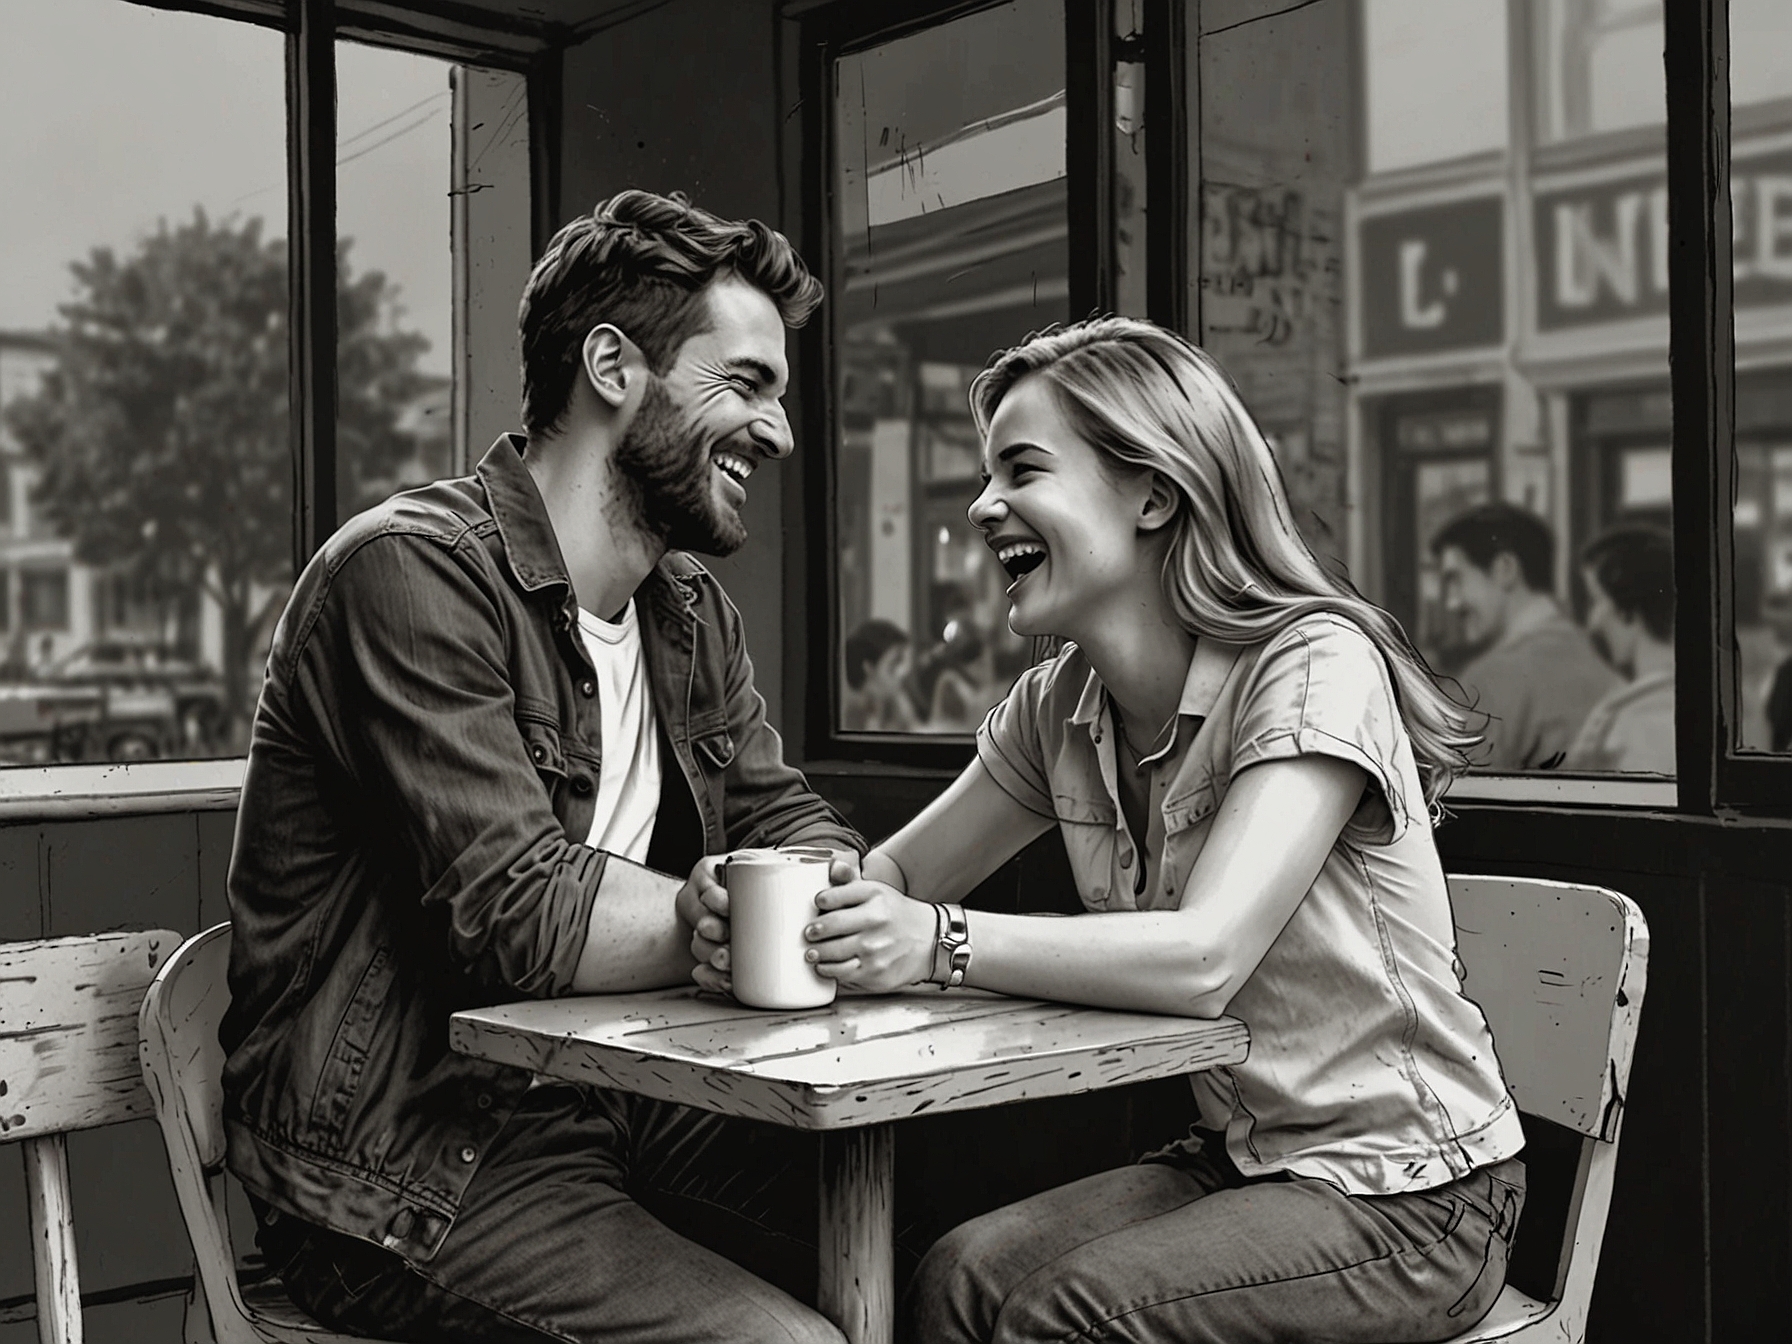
(1237, 568)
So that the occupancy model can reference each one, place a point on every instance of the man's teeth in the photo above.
(737, 467)
(1014, 550)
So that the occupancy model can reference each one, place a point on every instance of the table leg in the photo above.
(858, 1269)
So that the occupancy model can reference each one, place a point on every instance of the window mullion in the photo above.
(1089, 153)
(1701, 360)
(311, 167)
(1168, 210)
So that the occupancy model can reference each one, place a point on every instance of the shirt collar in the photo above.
(1207, 673)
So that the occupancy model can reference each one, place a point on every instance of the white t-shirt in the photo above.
(628, 783)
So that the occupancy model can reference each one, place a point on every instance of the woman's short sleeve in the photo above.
(1012, 746)
(1322, 687)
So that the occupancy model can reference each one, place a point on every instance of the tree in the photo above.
(162, 435)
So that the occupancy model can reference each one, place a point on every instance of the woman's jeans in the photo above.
(1182, 1249)
(571, 1231)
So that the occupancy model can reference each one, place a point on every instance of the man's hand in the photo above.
(703, 906)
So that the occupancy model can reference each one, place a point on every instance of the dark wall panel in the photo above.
(21, 899)
(122, 872)
(1750, 1089)
(90, 876)
(1701, 1222)
(216, 831)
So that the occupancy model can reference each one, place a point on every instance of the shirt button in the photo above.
(483, 1101)
(469, 1154)
(581, 785)
(539, 752)
(588, 686)
(1126, 859)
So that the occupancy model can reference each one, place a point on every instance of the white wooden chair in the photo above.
(68, 1051)
(183, 1066)
(1559, 970)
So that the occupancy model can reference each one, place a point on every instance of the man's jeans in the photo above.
(570, 1231)
(1185, 1250)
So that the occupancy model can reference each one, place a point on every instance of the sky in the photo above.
(113, 116)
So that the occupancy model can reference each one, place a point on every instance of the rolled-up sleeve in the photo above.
(404, 675)
(1010, 745)
(1322, 688)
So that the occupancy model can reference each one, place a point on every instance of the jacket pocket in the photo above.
(340, 1077)
(542, 742)
(716, 749)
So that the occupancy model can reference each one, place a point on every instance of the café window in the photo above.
(1457, 341)
(393, 143)
(149, 319)
(950, 242)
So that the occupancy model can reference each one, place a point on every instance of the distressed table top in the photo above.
(862, 1060)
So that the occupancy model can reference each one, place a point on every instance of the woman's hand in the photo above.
(871, 937)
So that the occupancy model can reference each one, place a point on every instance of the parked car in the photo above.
(114, 699)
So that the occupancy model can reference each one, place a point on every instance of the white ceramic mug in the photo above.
(771, 899)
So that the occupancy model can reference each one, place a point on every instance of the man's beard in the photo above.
(669, 478)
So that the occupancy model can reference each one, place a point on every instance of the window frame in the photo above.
(816, 34)
(311, 29)
(1712, 776)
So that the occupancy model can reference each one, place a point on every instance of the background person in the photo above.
(1629, 573)
(1240, 754)
(497, 711)
(877, 656)
(1536, 674)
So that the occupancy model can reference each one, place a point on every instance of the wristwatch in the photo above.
(955, 946)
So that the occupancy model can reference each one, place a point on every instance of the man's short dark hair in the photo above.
(1490, 530)
(642, 263)
(867, 645)
(1635, 567)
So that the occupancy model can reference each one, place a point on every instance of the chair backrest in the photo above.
(67, 1062)
(183, 1065)
(68, 1037)
(1559, 970)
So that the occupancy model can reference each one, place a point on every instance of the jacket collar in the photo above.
(531, 548)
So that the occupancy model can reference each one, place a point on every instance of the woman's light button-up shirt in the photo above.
(1368, 1066)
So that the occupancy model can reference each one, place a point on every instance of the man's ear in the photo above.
(1159, 505)
(607, 364)
(1506, 572)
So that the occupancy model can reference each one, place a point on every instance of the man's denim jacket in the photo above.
(423, 769)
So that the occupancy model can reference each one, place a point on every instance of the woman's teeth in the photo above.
(1021, 557)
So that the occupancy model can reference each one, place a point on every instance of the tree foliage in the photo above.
(162, 435)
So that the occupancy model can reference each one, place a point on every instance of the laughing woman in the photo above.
(1244, 758)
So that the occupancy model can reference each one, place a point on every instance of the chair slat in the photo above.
(68, 1030)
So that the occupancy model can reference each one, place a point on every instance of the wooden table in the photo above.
(849, 1070)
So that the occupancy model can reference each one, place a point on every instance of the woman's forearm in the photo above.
(881, 866)
(1142, 961)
